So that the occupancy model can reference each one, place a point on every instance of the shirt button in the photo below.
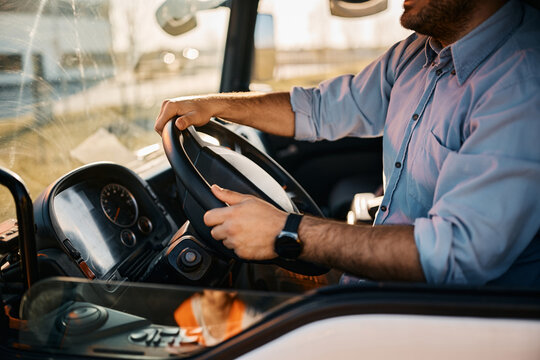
(398, 164)
(453, 72)
(438, 72)
(415, 117)
(383, 208)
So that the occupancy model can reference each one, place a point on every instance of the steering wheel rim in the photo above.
(183, 146)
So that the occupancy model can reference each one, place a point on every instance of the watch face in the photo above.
(288, 247)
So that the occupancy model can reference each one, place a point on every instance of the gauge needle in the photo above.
(116, 215)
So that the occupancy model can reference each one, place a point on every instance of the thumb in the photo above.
(182, 122)
(228, 196)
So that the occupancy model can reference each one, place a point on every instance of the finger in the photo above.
(228, 196)
(168, 111)
(219, 232)
(163, 104)
(228, 244)
(160, 122)
(182, 122)
(216, 216)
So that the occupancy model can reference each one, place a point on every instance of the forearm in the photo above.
(380, 253)
(268, 112)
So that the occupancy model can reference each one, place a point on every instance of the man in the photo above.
(458, 104)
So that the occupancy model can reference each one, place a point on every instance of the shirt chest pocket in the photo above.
(426, 163)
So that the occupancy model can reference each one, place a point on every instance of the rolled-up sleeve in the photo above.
(487, 198)
(348, 105)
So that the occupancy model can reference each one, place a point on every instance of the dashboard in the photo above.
(105, 219)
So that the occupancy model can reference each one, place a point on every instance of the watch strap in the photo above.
(292, 223)
(287, 244)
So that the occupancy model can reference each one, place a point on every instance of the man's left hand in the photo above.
(248, 225)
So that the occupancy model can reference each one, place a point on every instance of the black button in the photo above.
(415, 117)
(170, 331)
(383, 208)
(398, 164)
(453, 72)
(72, 251)
(151, 335)
(438, 72)
(189, 259)
(138, 336)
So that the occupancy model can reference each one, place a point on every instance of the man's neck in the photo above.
(482, 12)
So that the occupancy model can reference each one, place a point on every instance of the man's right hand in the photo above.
(190, 111)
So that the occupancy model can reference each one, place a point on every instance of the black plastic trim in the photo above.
(238, 58)
(25, 221)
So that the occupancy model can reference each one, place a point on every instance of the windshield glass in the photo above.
(299, 42)
(82, 81)
(96, 318)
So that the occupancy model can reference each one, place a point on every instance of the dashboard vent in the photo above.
(135, 267)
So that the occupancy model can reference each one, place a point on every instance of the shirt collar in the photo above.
(468, 52)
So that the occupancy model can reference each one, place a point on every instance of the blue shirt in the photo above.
(461, 144)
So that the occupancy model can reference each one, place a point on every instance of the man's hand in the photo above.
(269, 112)
(249, 225)
(194, 111)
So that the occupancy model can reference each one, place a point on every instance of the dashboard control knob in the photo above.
(145, 225)
(189, 259)
(82, 319)
(128, 238)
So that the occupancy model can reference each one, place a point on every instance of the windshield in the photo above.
(96, 318)
(299, 42)
(82, 81)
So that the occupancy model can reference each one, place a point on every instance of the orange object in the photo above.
(86, 270)
(185, 318)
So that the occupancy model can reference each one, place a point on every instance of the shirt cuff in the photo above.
(302, 103)
(433, 238)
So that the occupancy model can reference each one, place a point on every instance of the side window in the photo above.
(299, 43)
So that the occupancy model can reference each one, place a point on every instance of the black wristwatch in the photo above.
(287, 245)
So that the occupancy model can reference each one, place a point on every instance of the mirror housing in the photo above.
(357, 8)
(177, 17)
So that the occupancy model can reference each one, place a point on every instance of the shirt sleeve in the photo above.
(487, 198)
(349, 105)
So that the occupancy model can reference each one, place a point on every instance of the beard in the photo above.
(441, 19)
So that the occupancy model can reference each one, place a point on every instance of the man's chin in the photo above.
(409, 21)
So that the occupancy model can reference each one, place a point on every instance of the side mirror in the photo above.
(357, 8)
(177, 17)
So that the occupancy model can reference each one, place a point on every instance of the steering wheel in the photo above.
(237, 165)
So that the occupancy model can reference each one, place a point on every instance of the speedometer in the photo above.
(119, 205)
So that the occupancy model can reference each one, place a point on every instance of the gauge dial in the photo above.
(119, 205)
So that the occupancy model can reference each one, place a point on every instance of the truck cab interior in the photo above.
(102, 242)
